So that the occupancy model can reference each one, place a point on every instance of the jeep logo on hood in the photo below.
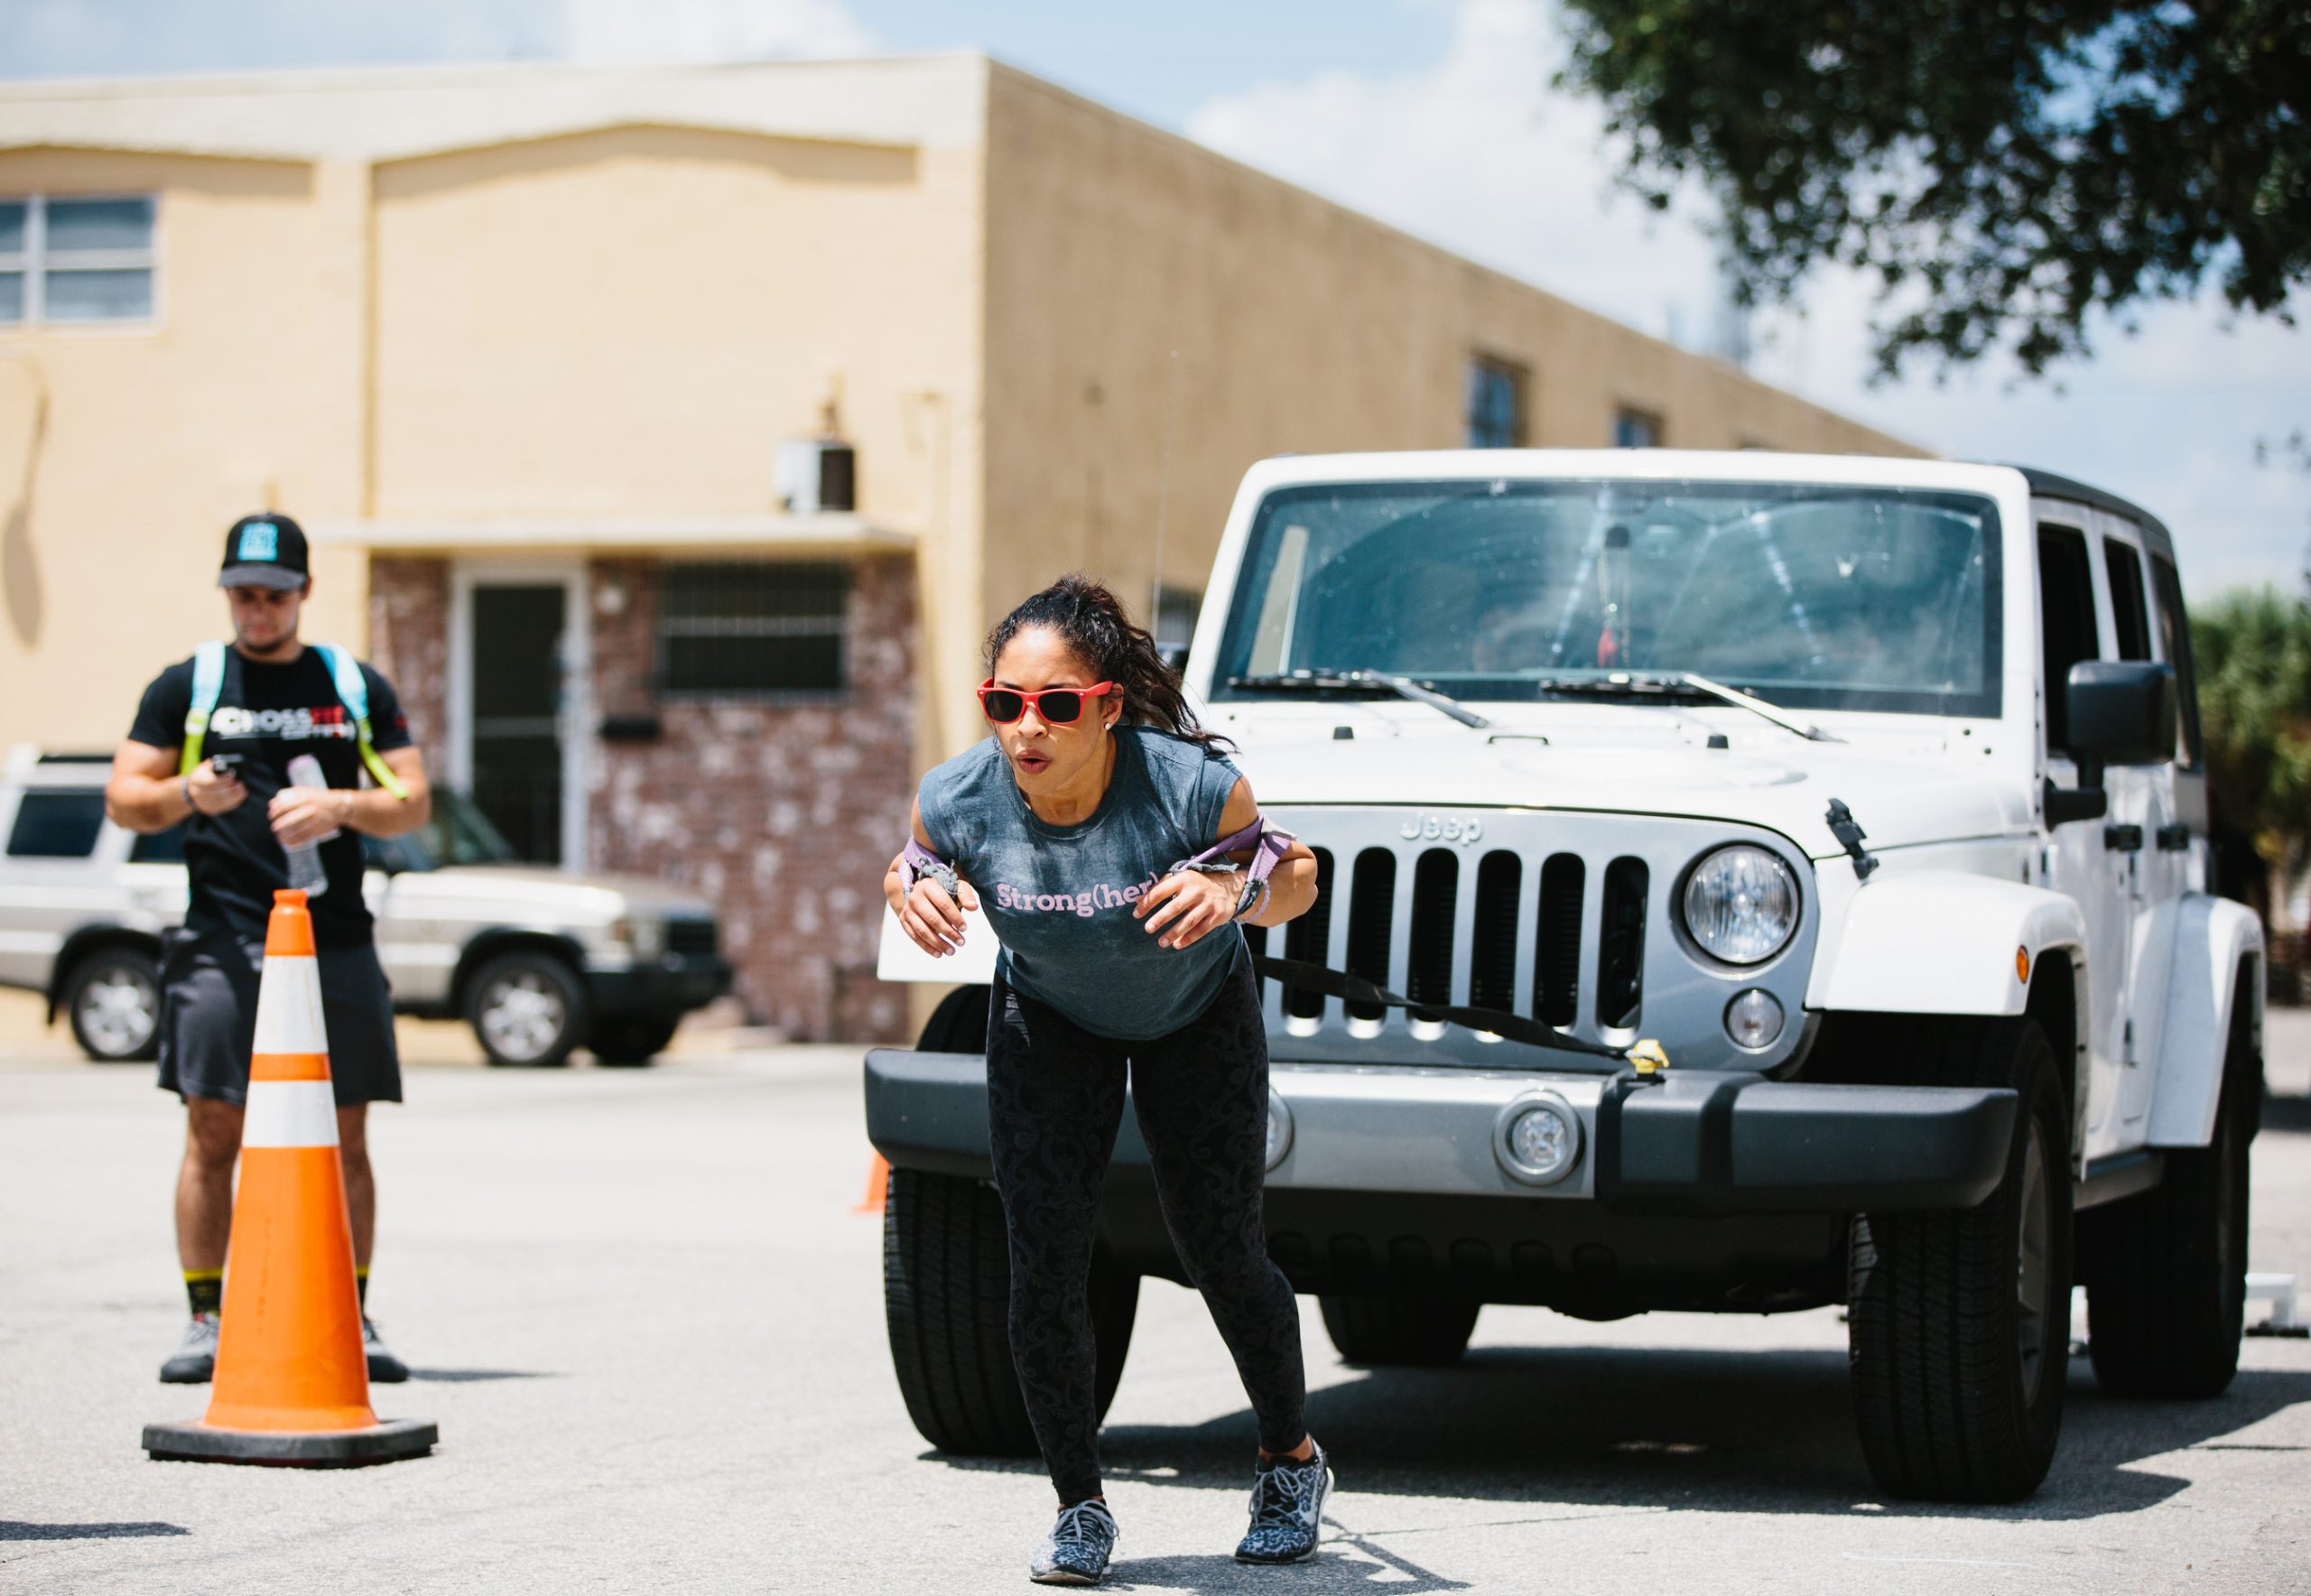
(1430, 828)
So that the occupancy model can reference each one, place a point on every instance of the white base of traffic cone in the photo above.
(386, 1443)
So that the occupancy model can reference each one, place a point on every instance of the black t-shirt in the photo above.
(271, 714)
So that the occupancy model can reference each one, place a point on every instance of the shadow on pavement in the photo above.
(466, 1375)
(14, 1530)
(1328, 1571)
(1675, 1430)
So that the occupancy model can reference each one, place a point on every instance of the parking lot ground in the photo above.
(649, 1325)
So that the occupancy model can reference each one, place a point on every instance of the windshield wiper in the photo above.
(1632, 683)
(1404, 687)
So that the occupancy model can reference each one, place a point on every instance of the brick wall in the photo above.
(409, 641)
(784, 815)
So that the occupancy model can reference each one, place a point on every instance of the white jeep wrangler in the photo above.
(1870, 790)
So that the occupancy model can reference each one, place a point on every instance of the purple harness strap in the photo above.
(1269, 845)
(916, 861)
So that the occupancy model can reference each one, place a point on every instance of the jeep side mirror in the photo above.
(2122, 713)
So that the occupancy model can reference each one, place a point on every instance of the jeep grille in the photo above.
(1567, 918)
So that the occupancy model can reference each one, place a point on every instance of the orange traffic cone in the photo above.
(293, 1385)
(878, 1182)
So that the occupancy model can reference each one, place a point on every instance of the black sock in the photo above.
(361, 1287)
(206, 1289)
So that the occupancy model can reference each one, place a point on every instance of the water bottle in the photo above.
(306, 872)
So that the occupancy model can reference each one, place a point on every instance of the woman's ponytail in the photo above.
(1094, 624)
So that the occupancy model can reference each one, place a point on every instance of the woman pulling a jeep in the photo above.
(1061, 826)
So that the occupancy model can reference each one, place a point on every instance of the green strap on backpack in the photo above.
(344, 673)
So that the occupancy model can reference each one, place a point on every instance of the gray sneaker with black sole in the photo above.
(1076, 1551)
(385, 1369)
(1287, 1510)
(194, 1362)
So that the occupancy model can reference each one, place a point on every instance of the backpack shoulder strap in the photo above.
(353, 692)
(208, 686)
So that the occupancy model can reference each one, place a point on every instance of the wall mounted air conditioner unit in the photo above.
(817, 474)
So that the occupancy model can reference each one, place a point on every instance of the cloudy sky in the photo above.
(1432, 115)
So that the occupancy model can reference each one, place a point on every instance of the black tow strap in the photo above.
(1355, 989)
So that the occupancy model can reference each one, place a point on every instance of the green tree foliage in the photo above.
(2254, 664)
(2002, 168)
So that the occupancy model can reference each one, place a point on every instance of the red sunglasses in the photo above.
(1061, 706)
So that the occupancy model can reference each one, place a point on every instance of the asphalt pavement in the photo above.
(649, 1323)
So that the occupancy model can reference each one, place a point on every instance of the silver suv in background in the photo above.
(540, 961)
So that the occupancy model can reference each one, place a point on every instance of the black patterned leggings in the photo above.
(1055, 1097)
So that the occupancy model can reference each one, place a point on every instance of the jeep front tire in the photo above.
(946, 1300)
(1960, 1320)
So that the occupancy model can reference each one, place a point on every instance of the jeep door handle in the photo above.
(2122, 839)
(2174, 838)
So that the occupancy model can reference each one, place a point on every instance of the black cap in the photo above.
(265, 551)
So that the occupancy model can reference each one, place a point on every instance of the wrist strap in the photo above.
(917, 862)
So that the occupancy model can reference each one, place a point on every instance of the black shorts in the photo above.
(209, 982)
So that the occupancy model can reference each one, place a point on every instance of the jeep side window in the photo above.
(2175, 644)
(57, 825)
(2066, 621)
(2127, 614)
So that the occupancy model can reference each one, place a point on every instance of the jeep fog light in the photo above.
(1537, 1138)
(1753, 1019)
(1279, 1129)
(1741, 905)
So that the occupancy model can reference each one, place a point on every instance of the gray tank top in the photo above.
(1060, 897)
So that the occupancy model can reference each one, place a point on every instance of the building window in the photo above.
(1496, 404)
(66, 260)
(1634, 429)
(744, 628)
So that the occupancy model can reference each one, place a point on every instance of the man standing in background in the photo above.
(259, 749)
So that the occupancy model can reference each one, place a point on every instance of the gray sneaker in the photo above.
(1075, 1551)
(195, 1360)
(385, 1369)
(1287, 1510)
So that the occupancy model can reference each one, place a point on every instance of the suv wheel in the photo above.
(631, 1039)
(527, 1007)
(114, 997)
(2166, 1271)
(946, 1299)
(1960, 1322)
(1386, 1330)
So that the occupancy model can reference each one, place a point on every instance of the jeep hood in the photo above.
(1901, 796)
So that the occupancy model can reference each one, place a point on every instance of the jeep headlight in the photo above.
(1741, 905)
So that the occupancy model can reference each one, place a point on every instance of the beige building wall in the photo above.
(126, 450)
(1132, 274)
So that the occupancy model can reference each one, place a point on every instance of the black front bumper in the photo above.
(672, 984)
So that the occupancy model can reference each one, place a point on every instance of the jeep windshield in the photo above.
(1808, 595)
(455, 833)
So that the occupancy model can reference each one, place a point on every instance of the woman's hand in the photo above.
(927, 914)
(1193, 904)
